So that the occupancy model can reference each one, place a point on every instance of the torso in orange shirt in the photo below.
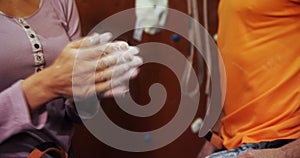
(260, 45)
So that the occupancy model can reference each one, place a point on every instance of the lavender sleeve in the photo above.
(70, 17)
(15, 116)
(73, 25)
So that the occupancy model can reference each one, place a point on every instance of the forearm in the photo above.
(292, 150)
(217, 127)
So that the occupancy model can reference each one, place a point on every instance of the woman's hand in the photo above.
(91, 68)
(83, 68)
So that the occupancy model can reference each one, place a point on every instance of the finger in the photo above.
(112, 83)
(126, 56)
(124, 79)
(103, 86)
(115, 47)
(88, 53)
(92, 40)
(97, 39)
(121, 79)
(96, 51)
(106, 62)
(105, 37)
(119, 46)
(106, 85)
(91, 53)
(117, 91)
(107, 67)
(118, 70)
(116, 59)
(133, 50)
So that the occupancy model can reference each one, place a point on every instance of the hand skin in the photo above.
(291, 150)
(59, 79)
(209, 148)
(206, 150)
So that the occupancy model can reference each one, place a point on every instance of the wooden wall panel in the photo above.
(188, 144)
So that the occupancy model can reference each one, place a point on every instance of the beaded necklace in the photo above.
(37, 49)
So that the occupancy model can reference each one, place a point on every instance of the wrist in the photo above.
(37, 89)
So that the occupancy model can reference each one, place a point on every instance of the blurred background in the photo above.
(188, 144)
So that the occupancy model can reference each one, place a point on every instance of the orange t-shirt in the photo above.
(260, 44)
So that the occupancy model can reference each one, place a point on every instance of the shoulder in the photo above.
(63, 8)
(62, 5)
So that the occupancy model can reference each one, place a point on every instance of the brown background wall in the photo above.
(188, 144)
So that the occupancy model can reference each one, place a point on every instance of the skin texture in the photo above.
(92, 57)
(290, 150)
(19, 8)
(95, 65)
(206, 150)
(264, 153)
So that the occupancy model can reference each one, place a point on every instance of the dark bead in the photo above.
(37, 46)
(32, 35)
(27, 27)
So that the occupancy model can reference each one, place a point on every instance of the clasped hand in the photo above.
(94, 64)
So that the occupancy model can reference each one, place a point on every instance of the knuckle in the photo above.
(121, 45)
(108, 48)
(101, 76)
(103, 63)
